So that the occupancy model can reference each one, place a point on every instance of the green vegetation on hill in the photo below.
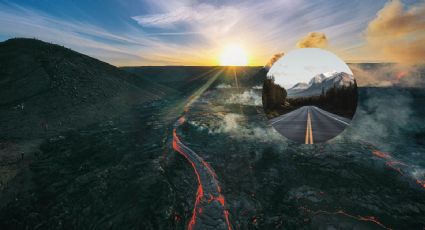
(274, 98)
(337, 100)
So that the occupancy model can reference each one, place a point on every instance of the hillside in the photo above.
(46, 88)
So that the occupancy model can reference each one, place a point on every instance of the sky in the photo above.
(154, 32)
(301, 65)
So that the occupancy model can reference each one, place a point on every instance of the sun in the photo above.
(234, 55)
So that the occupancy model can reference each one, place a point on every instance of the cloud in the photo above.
(166, 20)
(188, 32)
(313, 40)
(263, 28)
(134, 47)
(119, 49)
(203, 14)
(202, 19)
(398, 33)
(274, 59)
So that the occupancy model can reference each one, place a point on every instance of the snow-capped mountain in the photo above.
(317, 79)
(301, 86)
(321, 81)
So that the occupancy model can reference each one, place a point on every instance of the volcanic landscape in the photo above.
(180, 147)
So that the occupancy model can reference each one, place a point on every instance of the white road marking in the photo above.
(326, 114)
(284, 116)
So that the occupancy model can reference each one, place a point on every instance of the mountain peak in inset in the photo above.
(300, 85)
(321, 81)
(317, 79)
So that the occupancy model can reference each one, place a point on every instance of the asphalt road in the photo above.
(309, 125)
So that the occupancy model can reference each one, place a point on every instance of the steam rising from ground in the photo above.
(382, 117)
(231, 121)
(248, 97)
(236, 126)
(223, 86)
(389, 119)
(381, 76)
(385, 75)
(313, 40)
(385, 118)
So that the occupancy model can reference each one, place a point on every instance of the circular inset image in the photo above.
(309, 95)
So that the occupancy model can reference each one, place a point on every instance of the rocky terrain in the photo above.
(46, 88)
(117, 168)
(369, 177)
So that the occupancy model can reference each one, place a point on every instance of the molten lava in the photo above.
(180, 148)
(371, 219)
(381, 154)
(401, 75)
(394, 164)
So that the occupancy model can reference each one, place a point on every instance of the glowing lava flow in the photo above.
(209, 189)
(390, 161)
(393, 164)
(371, 219)
(209, 200)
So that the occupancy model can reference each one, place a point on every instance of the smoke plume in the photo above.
(273, 60)
(313, 40)
(398, 33)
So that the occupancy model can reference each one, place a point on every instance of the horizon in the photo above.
(170, 65)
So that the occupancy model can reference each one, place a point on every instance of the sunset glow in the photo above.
(193, 33)
(234, 55)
